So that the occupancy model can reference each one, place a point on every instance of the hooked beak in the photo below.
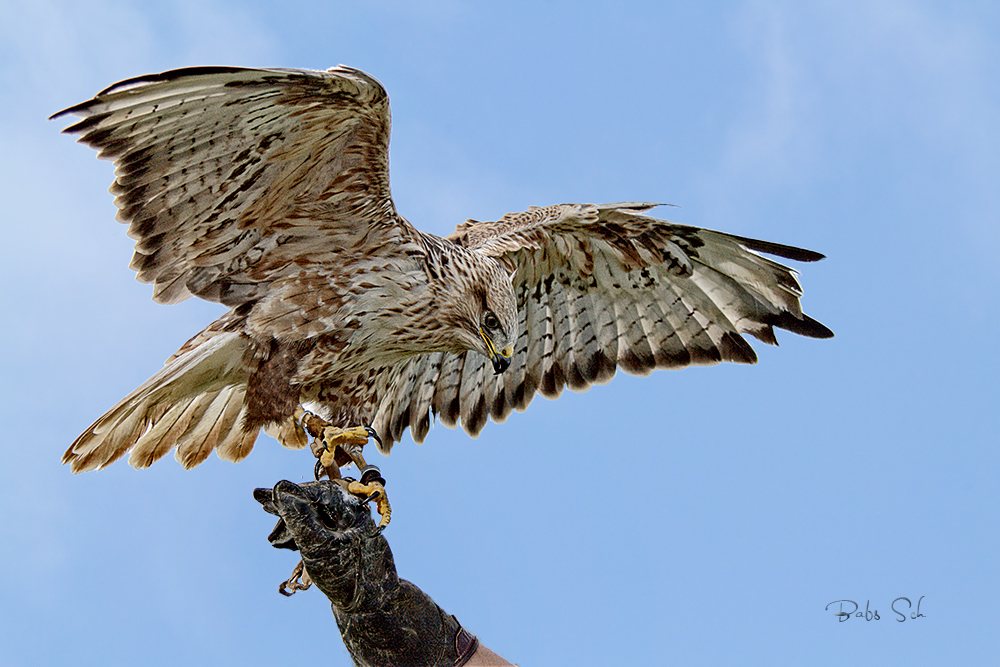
(500, 364)
(501, 359)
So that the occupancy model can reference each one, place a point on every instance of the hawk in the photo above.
(267, 190)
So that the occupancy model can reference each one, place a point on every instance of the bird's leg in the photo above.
(329, 440)
(372, 484)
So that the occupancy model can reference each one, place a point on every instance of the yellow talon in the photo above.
(334, 437)
(327, 458)
(351, 440)
(348, 442)
(373, 491)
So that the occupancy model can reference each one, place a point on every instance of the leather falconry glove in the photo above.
(384, 620)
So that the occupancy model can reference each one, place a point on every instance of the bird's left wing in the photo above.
(232, 178)
(598, 288)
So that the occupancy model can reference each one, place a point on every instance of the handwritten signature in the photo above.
(854, 611)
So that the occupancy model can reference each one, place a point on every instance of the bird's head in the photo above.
(498, 317)
(489, 322)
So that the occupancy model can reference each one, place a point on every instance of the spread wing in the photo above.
(231, 178)
(601, 288)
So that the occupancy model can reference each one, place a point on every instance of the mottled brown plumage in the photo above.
(268, 191)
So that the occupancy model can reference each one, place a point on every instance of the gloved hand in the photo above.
(384, 620)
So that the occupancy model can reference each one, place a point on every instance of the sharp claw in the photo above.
(329, 441)
(378, 495)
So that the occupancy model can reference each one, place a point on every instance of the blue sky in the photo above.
(698, 517)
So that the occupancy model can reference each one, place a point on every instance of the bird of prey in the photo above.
(267, 190)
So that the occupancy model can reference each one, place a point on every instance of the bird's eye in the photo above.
(490, 321)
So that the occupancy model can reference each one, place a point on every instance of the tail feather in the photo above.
(195, 403)
(196, 444)
(237, 442)
(157, 441)
(288, 433)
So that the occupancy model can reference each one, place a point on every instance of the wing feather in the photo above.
(232, 178)
(445, 403)
(603, 287)
(420, 411)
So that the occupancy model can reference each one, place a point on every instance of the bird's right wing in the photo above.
(232, 178)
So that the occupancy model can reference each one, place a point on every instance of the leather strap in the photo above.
(466, 644)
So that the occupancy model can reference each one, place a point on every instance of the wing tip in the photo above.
(781, 250)
(75, 462)
(735, 348)
(804, 326)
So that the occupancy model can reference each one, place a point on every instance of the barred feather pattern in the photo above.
(267, 190)
(225, 175)
(194, 403)
(601, 288)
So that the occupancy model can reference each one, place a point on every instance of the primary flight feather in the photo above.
(267, 190)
